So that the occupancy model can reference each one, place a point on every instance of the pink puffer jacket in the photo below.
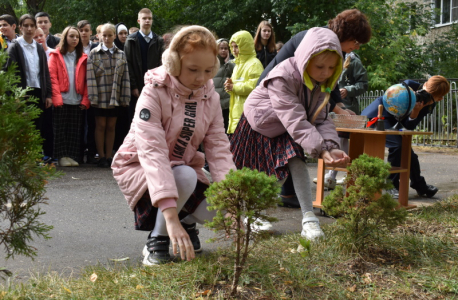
(278, 104)
(170, 123)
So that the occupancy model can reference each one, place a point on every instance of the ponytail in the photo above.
(325, 102)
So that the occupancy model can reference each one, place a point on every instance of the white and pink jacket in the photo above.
(170, 123)
(278, 104)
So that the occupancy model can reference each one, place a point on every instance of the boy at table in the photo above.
(431, 91)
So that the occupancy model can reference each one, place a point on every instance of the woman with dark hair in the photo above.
(67, 67)
(32, 68)
(264, 43)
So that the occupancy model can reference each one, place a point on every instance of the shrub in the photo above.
(244, 193)
(364, 214)
(23, 178)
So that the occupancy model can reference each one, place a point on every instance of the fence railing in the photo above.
(442, 122)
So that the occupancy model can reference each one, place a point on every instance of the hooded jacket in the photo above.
(225, 71)
(244, 77)
(59, 78)
(279, 103)
(354, 80)
(170, 123)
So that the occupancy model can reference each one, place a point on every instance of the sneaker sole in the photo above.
(145, 251)
(146, 262)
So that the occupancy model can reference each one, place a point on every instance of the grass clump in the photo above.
(410, 262)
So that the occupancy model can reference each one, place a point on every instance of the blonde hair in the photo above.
(323, 56)
(347, 61)
(108, 26)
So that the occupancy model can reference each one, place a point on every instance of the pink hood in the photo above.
(170, 123)
(278, 104)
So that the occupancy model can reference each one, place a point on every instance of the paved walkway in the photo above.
(93, 224)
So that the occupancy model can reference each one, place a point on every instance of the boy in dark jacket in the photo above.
(436, 88)
(143, 52)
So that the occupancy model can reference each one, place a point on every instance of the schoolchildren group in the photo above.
(162, 112)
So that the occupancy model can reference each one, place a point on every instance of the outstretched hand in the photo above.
(178, 235)
(335, 158)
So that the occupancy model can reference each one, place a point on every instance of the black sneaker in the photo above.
(291, 202)
(428, 192)
(158, 248)
(103, 163)
(193, 233)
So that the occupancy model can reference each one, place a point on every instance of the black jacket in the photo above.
(17, 55)
(265, 56)
(286, 52)
(52, 41)
(134, 58)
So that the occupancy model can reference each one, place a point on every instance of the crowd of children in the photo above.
(148, 105)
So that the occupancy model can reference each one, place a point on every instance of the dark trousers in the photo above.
(68, 130)
(132, 106)
(394, 145)
(287, 188)
(88, 137)
(43, 123)
(122, 126)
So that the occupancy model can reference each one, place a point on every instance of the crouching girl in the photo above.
(158, 167)
(287, 114)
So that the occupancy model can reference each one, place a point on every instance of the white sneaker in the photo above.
(311, 227)
(145, 251)
(260, 225)
(341, 181)
(64, 162)
(73, 162)
(329, 182)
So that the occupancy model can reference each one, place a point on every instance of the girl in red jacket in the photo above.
(67, 68)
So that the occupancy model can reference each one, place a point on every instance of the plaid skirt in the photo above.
(256, 151)
(145, 213)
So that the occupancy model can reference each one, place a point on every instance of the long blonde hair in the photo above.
(321, 57)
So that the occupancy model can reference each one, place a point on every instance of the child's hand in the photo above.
(82, 107)
(178, 236)
(335, 158)
(48, 102)
(135, 93)
(228, 85)
(343, 93)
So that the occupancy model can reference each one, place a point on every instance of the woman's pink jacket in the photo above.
(170, 123)
(278, 104)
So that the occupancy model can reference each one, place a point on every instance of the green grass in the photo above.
(418, 260)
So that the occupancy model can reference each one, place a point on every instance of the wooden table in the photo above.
(372, 143)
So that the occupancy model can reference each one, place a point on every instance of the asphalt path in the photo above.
(93, 224)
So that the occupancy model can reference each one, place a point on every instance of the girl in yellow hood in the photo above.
(244, 77)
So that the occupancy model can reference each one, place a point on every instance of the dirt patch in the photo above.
(439, 150)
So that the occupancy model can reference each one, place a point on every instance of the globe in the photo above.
(396, 100)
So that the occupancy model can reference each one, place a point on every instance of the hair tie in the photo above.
(328, 90)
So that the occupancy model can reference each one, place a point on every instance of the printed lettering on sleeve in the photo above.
(189, 124)
(145, 114)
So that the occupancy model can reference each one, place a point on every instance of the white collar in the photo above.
(104, 48)
(73, 54)
(150, 35)
(24, 42)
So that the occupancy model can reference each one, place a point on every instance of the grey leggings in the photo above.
(301, 182)
(185, 180)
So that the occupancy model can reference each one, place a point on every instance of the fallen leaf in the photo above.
(367, 278)
(222, 282)
(352, 288)
(120, 259)
(67, 290)
(93, 277)
(288, 282)
(75, 178)
(139, 287)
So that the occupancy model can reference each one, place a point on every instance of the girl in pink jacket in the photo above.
(287, 115)
(158, 168)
